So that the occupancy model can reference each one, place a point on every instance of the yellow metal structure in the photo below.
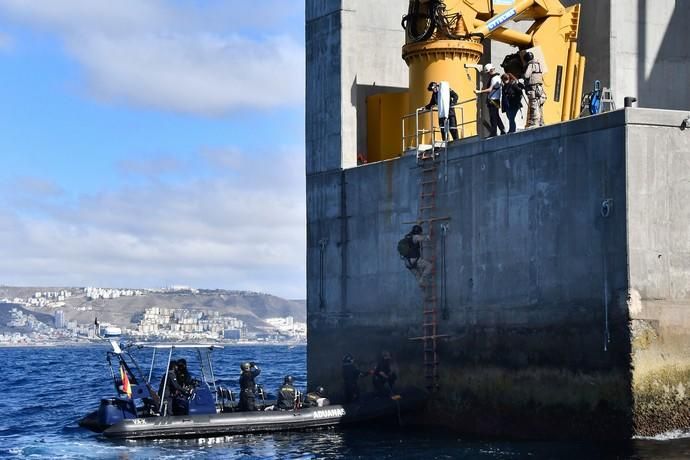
(444, 37)
(383, 124)
(464, 22)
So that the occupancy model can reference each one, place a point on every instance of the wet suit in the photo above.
(351, 375)
(384, 378)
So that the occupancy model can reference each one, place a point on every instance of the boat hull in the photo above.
(261, 421)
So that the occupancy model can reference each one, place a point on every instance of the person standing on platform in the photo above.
(511, 100)
(443, 96)
(536, 97)
(493, 101)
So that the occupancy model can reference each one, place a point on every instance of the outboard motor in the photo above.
(113, 410)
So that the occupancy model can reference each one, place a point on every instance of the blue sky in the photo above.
(149, 143)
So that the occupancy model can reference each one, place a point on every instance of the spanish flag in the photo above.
(126, 388)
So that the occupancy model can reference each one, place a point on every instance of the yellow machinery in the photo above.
(444, 43)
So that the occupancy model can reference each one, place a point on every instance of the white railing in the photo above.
(428, 127)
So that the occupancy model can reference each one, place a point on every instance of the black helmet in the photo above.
(417, 230)
(431, 86)
(182, 362)
(245, 366)
(529, 56)
(348, 359)
(321, 391)
(288, 380)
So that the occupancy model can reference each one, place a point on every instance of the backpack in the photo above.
(512, 95)
(408, 249)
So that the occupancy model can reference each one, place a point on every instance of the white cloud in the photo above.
(179, 56)
(215, 233)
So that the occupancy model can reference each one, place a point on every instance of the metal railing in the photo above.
(430, 128)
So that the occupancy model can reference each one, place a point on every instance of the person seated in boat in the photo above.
(316, 398)
(287, 395)
(172, 392)
(248, 386)
(384, 376)
(351, 375)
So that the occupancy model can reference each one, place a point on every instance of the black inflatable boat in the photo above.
(211, 409)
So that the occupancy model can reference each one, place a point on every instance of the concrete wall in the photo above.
(353, 51)
(538, 279)
(531, 263)
(659, 252)
(650, 52)
(323, 93)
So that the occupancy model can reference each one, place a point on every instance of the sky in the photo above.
(150, 143)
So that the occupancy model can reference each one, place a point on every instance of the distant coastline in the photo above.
(106, 343)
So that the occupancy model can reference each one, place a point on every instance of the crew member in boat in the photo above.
(184, 378)
(248, 386)
(351, 375)
(172, 393)
(384, 376)
(316, 398)
(287, 395)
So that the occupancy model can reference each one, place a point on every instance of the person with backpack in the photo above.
(410, 250)
(493, 101)
(511, 102)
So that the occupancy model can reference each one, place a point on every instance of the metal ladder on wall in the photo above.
(427, 215)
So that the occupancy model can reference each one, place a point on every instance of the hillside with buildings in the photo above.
(176, 313)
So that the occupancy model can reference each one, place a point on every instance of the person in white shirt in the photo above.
(493, 87)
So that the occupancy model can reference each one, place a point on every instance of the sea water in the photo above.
(44, 391)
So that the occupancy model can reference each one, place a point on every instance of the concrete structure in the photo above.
(567, 258)
(638, 48)
(353, 51)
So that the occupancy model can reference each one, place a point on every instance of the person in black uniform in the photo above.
(172, 392)
(384, 376)
(316, 398)
(351, 375)
(452, 120)
(184, 378)
(248, 386)
(287, 395)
